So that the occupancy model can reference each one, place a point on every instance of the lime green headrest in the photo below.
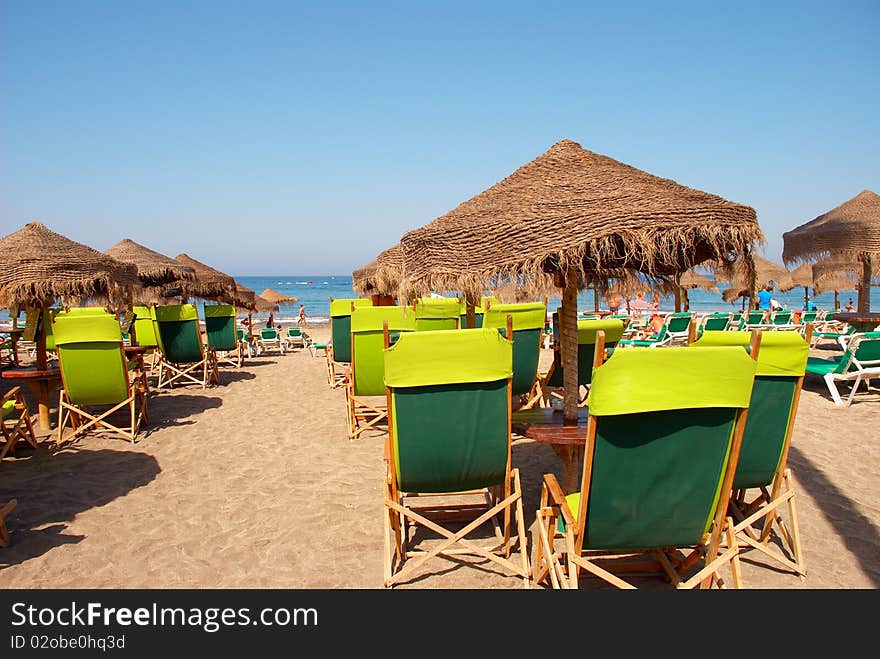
(176, 312)
(531, 315)
(587, 329)
(437, 307)
(219, 310)
(89, 328)
(634, 381)
(448, 357)
(342, 307)
(781, 353)
(87, 311)
(370, 319)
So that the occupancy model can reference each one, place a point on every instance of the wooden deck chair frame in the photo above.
(407, 510)
(764, 476)
(363, 414)
(19, 428)
(5, 509)
(183, 351)
(81, 393)
(563, 565)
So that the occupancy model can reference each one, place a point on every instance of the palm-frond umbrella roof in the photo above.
(38, 264)
(691, 279)
(834, 282)
(274, 297)
(852, 228)
(208, 283)
(766, 272)
(383, 275)
(362, 278)
(243, 297)
(573, 207)
(154, 269)
(263, 305)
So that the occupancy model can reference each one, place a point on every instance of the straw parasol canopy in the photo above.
(153, 268)
(362, 278)
(38, 265)
(383, 276)
(263, 305)
(209, 283)
(242, 297)
(850, 230)
(572, 217)
(766, 272)
(274, 297)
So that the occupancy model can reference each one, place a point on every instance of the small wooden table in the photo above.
(546, 425)
(862, 322)
(42, 383)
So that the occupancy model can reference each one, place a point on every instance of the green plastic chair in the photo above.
(662, 444)
(781, 318)
(527, 323)
(859, 363)
(451, 405)
(293, 337)
(339, 350)
(762, 470)
(268, 339)
(95, 373)
(550, 384)
(183, 352)
(716, 322)
(753, 318)
(436, 313)
(366, 377)
(223, 340)
(673, 332)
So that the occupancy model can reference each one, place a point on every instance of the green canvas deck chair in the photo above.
(673, 332)
(339, 350)
(184, 358)
(222, 336)
(762, 486)
(663, 440)
(859, 363)
(293, 337)
(97, 380)
(448, 452)
(15, 422)
(365, 404)
(527, 323)
(716, 322)
(551, 385)
(436, 313)
(145, 333)
(269, 338)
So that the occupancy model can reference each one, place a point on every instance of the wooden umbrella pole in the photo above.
(471, 312)
(41, 336)
(677, 294)
(595, 299)
(569, 345)
(865, 285)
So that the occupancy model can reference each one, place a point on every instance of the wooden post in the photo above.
(686, 301)
(569, 345)
(595, 299)
(865, 285)
(677, 296)
(836, 301)
(41, 336)
(471, 314)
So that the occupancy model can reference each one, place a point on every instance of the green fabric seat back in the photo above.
(782, 318)
(528, 321)
(179, 333)
(220, 327)
(449, 409)
(678, 322)
(144, 329)
(93, 366)
(664, 429)
(294, 333)
(782, 360)
(436, 313)
(340, 326)
(755, 317)
(268, 333)
(586, 349)
(368, 344)
(868, 349)
(809, 316)
(716, 321)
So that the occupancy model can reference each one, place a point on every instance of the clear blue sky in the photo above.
(279, 138)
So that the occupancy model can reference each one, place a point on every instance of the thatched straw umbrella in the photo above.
(362, 278)
(851, 230)
(263, 305)
(745, 284)
(688, 280)
(573, 217)
(38, 265)
(209, 283)
(154, 269)
(275, 297)
(381, 277)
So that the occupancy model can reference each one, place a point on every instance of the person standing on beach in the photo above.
(764, 296)
(301, 321)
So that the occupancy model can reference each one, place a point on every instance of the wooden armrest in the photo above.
(12, 393)
(555, 492)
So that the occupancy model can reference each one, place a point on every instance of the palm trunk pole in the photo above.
(569, 345)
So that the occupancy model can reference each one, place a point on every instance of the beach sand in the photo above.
(254, 484)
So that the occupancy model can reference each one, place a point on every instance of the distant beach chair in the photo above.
(755, 318)
(339, 349)
(365, 382)
(673, 332)
(222, 335)
(716, 322)
(551, 384)
(293, 337)
(96, 374)
(268, 339)
(527, 322)
(762, 470)
(436, 313)
(859, 363)
(183, 353)
(5, 509)
(15, 422)
(657, 475)
(449, 452)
